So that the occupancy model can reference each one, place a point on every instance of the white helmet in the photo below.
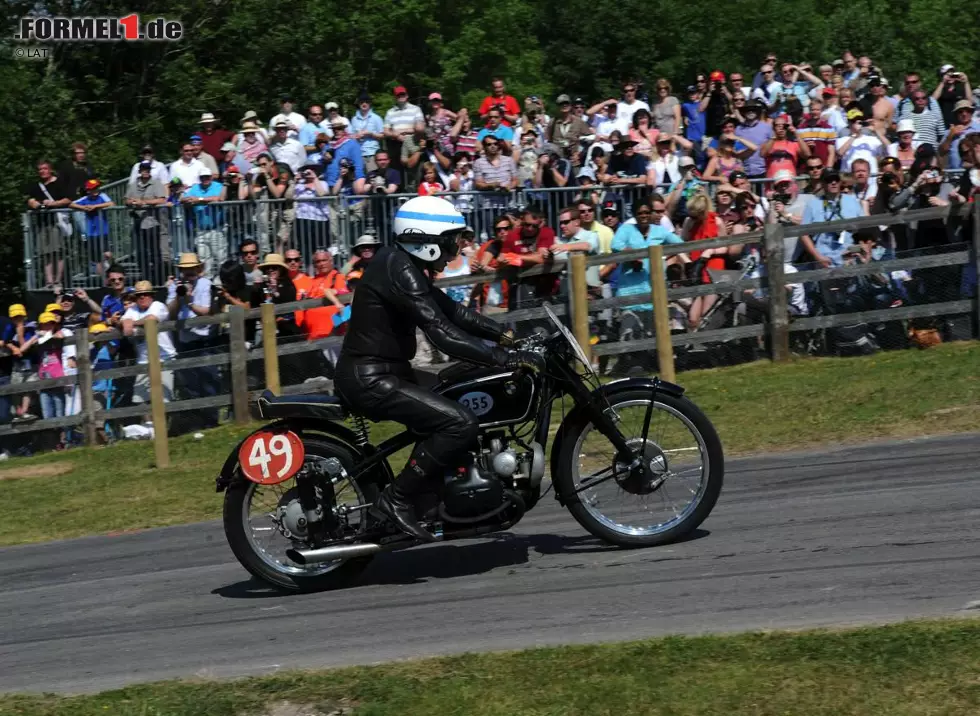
(427, 227)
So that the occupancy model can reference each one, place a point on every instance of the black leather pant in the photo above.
(389, 391)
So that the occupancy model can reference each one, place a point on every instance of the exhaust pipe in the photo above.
(329, 554)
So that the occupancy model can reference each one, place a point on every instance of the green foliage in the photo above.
(243, 54)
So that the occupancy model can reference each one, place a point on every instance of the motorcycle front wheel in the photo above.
(261, 524)
(628, 509)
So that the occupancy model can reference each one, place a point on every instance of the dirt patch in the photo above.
(287, 708)
(45, 470)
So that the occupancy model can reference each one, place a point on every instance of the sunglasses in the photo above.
(249, 253)
(565, 222)
(294, 260)
(502, 228)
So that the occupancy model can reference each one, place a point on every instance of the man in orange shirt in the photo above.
(302, 282)
(328, 283)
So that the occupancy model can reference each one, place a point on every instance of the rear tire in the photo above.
(713, 472)
(292, 579)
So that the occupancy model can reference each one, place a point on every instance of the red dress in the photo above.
(707, 229)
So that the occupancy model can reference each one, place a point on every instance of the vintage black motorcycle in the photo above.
(634, 461)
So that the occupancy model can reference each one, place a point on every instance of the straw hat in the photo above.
(274, 260)
(142, 287)
(189, 260)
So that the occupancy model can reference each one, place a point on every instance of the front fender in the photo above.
(606, 390)
(338, 432)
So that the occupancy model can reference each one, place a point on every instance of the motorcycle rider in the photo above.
(374, 375)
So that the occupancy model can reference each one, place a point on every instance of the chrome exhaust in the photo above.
(329, 554)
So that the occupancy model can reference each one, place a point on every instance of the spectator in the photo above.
(158, 170)
(498, 99)
(300, 279)
(695, 119)
(494, 172)
(626, 166)
(49, 340)
(762, 82)
(461, 181)
(665, 108)
(401, 121)
(716, 103)
(905, 148)
(833, 113)
(135, 317)
(364, 250)
(285, 148)
(348, 186)
(207, 215)
(25, 360)
(576, 238)
(344, 147)
(629, 104)
(876, 105)
(647, 229)
(190, 297)
(460, 266)
(742, 148)
(328, 283)
(312, 209)
(964, 124)
(71, 320)
(205, 158)
(464, 135)
(415, 153)
(928, 122)
(188, 168)
(551, 170)
(439, 124)
(323, 154)
(251, 143)
(687, 187)
(785, 148)
(368, 129)
(249, 253)
(864, 187)
(789, 95)
(610, 122)
(643, 133)
(212, 136)
(757, 132)
(75, 172)
(526, 246)
(566, 131)
(702, 223)
(913, 83)
(96, 226)
(315, 126)
(495, 128)
(382, 179)
(953, 88)
(229, 158)
(738, 88)
(827, 248)
(813, 185)
(150, 230)
(51, 226)
(865, 141)
(430, 184)
(816, 132)
(724, 162)
(294, 120)
(587, 216)
(111, 309)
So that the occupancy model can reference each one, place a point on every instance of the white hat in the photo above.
(227, 147)
(905, 125)
(782, 175)
(339, 122)
(331, 105)
(206, 172)
(207, 117)
(945, 68)
(685, 162)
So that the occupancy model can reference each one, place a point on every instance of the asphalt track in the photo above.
(859, 535)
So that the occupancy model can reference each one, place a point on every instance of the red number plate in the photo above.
(269, 458)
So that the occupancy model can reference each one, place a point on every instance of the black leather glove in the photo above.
(527, 360)
(507, 338)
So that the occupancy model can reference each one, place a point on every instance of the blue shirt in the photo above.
(696, 121)
(628, 238)
(818, 210)
(348, 149)
(758, 134)
(953, 158)
(501, 132)
(307, 135)
(110, 305)
(369, 123)
(96, 223)
(206, 216)
(634, 283)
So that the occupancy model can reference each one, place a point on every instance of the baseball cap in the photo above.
(853, 114)
(829, 173)
(52, 307)
(562, 98)
(175, 181)
(829, 92)
(196, 139)
(146, 148)
(717, 76)
(15, 310)
(874, 81)
(233, 170)
(47, 317)
(92, 184)
(146, 165)
(435, 95)
(736, 175)
(363, 97)
(782, 175)
(685, 162)
(331, 105)
(227, 147)
(611, 206)
(206, 172)
(400, 89)
(946, 68)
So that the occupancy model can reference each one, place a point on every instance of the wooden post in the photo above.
(269, 348)
(84, 362)
(976, 259)
(579, 302)
(778, 300)
(239, 365)
(661, 314)
(158, 408)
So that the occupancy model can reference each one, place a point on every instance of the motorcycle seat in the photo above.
(319, 406)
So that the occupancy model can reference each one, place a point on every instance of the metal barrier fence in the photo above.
(231, 371)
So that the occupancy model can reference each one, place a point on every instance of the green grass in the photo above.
(756, 407)
(902, 670)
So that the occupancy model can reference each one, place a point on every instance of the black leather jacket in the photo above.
(394, 297)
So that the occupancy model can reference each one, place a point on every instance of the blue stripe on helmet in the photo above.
(441, 218)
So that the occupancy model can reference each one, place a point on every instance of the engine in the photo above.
(520, 467)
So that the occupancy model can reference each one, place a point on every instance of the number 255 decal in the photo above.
(269, 458)
(479, 403)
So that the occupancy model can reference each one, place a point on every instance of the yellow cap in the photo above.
(16, 309)
(98, 328)
(47, 317)
(52, 307)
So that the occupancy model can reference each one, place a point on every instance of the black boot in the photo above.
(396, 502)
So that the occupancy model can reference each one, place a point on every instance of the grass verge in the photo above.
(756, 407)
(901, 670)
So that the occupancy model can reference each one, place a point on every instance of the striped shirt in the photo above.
(404, 119)
(503, 173)
(929, 126)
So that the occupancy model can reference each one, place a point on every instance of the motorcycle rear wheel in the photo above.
(679, 433)
(274, 567)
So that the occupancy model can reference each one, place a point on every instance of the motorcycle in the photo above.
(635, 462)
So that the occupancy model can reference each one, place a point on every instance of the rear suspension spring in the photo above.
(362, 430)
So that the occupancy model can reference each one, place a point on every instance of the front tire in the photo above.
(273, 566)
(687, 435)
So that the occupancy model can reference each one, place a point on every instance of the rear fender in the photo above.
(608, 390)
(344, 436)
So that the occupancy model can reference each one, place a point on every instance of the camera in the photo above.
(181, 289)
(782, 198)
